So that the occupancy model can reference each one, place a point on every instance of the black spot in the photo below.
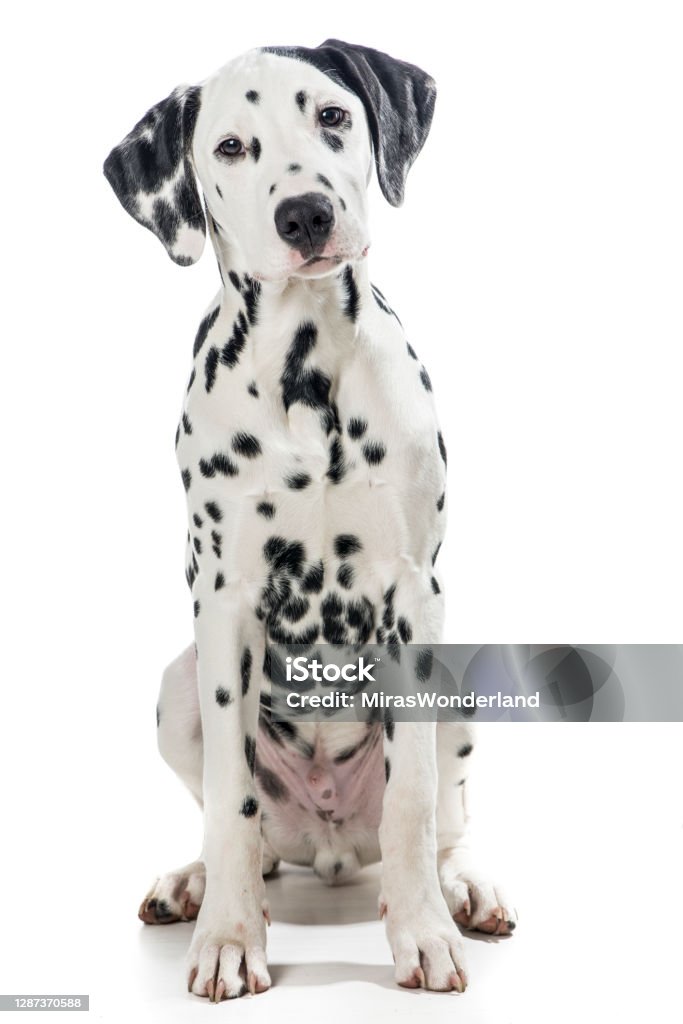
(204, 328)
(187, 426)
(333, 141)
(246, 445)
(352, 295)
(404, 630)
(357, 427)
(442, 448)
(255, 149)
(324, 181)
(197, 608)
(423, 664)
(266, 509)
(389, 726)
(218, 463)
(271, 189)
(298, 481)
(252, 389)
(388, 616)
(177, 435)
(346, 544)
(331, 606)
(342, 203)
(435, 586)
(287, 556)
(231, 351)
(373, 452)
(158, 715)
(220, 581)
(235, 280)
(360, 616)
(301, 100)
(336, 468)
(245, 670)
(213, 511)
(197, 545)
(436, 553)
(387, 768)
(295, 609)
(271, 784)
(219, 191)
(337, 867)
(440, 503)
(191, 380)
(307, 385)
(252, 96)
(294, 168)
(466, 750)
(345, 576)
(250, 752)
(249, 806)
(411, 351)
(197, 520)
(210, 368)
(223, 697)
(312, 582)
(187, 479)
(250, 294)
(426, 382)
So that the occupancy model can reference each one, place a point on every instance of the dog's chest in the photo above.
(307, 447)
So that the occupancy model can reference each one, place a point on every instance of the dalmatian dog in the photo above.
(314, 471)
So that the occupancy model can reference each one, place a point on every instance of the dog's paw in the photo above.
(228, 962)
(176, 896)
(427, 948)
(476, 903)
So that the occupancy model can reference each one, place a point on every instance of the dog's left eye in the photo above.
(231, 147)
(331, 117)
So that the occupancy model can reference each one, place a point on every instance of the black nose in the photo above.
(305, 222)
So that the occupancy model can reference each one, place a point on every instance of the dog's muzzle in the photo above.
(305, 222)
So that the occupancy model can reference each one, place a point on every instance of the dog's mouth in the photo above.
(314, 266)
(319, 262)
(321, 259)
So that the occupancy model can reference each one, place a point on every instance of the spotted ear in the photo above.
(398, 98)
(151, 173)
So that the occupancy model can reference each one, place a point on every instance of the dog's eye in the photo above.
(331, 117)
(230, 147)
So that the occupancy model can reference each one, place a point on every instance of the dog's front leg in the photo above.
(227, 954)
(426, 944)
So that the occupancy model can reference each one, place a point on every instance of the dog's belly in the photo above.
(323, 810)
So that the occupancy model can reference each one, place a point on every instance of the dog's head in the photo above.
(280, 142)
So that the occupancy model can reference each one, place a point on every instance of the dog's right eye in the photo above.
(230, 147)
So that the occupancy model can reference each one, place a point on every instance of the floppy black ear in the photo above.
(151, 173)
(398, 98)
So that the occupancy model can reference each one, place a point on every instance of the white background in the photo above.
(536, 266)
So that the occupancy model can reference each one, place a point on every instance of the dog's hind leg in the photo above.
(472, 899)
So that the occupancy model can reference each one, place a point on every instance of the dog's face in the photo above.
(280, 142)
(283, 155)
